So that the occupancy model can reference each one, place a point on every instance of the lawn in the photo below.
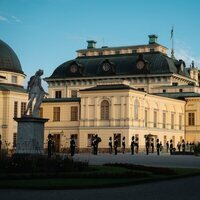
(94, 177)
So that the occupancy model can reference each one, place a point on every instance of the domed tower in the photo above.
(10, 68)
(13, 96)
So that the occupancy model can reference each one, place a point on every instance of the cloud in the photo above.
(2, 18)
(184, 52)
(16, 19)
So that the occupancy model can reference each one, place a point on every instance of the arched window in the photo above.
(105, 110)
(136, 109)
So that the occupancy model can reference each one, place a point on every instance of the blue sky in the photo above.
(46, 33)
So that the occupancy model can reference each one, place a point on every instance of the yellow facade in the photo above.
(192, 129)
(122, 119)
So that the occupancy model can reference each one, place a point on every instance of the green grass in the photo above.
(97, 176)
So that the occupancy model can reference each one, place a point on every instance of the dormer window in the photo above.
(106, 66)
(74, 68)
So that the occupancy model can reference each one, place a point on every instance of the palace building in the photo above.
(110, 91)
(13, 96)
(125, 91)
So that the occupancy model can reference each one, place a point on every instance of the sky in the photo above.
(46, 33)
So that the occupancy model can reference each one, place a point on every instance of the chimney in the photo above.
(91, 44)
(153, 39)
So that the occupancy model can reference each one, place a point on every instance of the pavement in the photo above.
(163, 160)
(184, 189)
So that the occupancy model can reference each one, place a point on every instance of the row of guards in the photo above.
(95, 140)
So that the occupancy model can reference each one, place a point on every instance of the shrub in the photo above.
(37, 163)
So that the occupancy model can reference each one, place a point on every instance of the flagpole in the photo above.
(172, 38)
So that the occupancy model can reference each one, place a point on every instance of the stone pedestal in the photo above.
(30, 135)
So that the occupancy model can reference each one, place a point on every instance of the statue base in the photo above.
(30, 135)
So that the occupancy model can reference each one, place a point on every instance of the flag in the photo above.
(172, 32)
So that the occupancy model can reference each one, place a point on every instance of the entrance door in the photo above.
(57, 143)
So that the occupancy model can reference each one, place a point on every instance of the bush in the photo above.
(37, 163)
(197, 149)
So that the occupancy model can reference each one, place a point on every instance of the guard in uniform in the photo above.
(132, 145)
(116, 144)
(72, 146)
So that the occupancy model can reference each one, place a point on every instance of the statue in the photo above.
(36, 92)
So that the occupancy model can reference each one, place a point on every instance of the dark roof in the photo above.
(178, 95)
(49, 100)
(122, 64)
(110, 87)
(5, 87)
(8, 59)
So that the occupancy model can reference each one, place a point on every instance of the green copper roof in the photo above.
(121, 64)
(8, 59)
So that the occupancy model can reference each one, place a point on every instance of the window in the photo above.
(74, 93)
(14, 79)
(174, 84)
(145, 118)
(141, 80)
(155, 119)
(152, 50)
(58, 94)
(89, 140)
(164, 120)
(134, 51)
(15, 108)
(56, 114)
(117, 52)
(191, 119)
(104, 110)
(164, 91)
(74, 113)
(23, 108)
(141, 89)
(180, 122)
(180, 90)
(136, 107)
(14, 140)
(172, 121)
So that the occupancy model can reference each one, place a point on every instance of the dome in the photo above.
(8, 59)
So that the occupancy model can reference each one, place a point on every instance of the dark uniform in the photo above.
(132, 145)
(167, 144)
(49, 148)
(152, 145)
(171, 147)
(136, 145)
(72, 146)
(147, 146)
(158, 147)
(183, 145)
(110, 145)
(123, 145)
(116, 145)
